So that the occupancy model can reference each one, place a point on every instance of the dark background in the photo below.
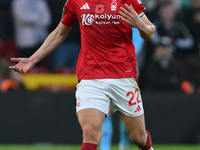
(40, 117)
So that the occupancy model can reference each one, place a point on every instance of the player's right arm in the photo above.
(54, 39)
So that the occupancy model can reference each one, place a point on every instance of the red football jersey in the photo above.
(107, 50)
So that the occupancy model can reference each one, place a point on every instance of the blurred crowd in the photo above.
(171, 61)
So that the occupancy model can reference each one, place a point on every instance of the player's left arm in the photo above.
(145, 27)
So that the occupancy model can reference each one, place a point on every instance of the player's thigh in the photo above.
(125, 97)
(92, 94)
(92, 118)
(135, 126)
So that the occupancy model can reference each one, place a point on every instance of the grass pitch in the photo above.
(77, 147)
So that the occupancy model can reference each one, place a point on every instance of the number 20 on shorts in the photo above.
(133, 94)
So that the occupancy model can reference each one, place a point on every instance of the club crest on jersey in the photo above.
(114, 5)
(99, 8)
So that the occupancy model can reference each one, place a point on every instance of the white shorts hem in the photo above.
(91, 107)
(128, 114)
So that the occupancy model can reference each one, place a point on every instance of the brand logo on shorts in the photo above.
(138, 109)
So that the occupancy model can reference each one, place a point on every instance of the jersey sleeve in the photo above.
(69, 17)
(138, 6)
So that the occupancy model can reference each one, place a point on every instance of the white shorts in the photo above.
(123, 94)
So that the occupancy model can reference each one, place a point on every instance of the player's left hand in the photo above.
(130, 16)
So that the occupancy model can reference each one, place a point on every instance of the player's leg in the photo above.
(127, 100)
(136, 129)
(107, 131)
(124, 138)
(92, 107)
(91, 121)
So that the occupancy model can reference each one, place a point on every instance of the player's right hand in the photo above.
(23, 65)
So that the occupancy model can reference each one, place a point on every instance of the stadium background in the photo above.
(45, 117)
(41, 116)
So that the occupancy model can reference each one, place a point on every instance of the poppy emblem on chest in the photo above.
(99, 8)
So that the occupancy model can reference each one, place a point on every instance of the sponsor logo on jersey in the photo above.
(99, 8)
(89, 19)
(114, 5)
(85, 6)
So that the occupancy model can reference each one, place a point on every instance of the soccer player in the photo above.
(106, 67)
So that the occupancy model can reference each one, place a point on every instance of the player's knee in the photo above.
(91, 134)
(139, 139)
